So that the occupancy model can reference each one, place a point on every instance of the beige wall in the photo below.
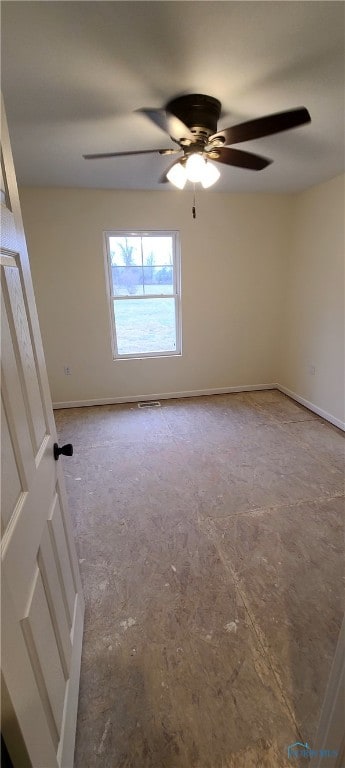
(262, 291)
(313, 329)
(233, 258)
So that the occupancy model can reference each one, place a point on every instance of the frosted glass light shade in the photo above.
(177, 175)
(210, 175)
(195, 167)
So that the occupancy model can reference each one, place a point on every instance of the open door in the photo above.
(330, 737)
(42, 602)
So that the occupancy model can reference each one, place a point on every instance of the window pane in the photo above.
(146, 325)
(157, 251)
(158, 279)
(127, 281)
(125, 251)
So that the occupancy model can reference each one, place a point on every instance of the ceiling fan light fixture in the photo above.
(210, 175)
(177, 175)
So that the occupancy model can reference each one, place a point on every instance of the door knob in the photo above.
(66, 450)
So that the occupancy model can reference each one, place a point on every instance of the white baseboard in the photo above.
(199, 393)
(162, 396)
(315, 408)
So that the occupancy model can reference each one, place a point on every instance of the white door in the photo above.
(42, 603)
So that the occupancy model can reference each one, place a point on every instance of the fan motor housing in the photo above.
(199, 112)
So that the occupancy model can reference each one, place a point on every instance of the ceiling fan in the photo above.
(191, 122)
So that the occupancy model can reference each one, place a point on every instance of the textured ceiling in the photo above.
(74, 72)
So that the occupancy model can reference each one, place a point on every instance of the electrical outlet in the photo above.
(311, 369)
(67, 370)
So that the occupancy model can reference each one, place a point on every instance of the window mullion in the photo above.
(146, 296)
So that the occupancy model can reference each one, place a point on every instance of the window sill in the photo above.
(163, 356)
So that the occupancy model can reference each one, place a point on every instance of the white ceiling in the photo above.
(74, 72)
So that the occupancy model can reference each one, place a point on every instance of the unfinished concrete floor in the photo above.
(211, 547)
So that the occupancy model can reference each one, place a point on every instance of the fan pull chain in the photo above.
(194, 201)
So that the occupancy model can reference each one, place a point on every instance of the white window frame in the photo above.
(176, 254)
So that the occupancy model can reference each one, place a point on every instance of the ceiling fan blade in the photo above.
(263, 126)
(169, 123)
(137, 152)
(163, 178)
(237, 157)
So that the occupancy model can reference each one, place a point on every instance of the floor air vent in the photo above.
(150, 404)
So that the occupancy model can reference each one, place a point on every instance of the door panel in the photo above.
(13, 399)
(23, 692)
(54, 594)
(41, 644)
(22, 344)
(42, 598)
(63, 560)
(9, 470)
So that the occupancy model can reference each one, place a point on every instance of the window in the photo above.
(144, 291)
